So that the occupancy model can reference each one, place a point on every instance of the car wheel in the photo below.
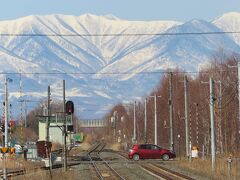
(135, 157)
(165, 157)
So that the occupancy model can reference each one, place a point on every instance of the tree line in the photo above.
(224, 72)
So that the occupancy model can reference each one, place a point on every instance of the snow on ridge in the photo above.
(229, 15)
(108, 56)
(229, 22)
(109, 20)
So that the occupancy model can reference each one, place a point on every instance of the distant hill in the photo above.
(111, 65)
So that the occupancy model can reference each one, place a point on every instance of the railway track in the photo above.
(163, 172)
(105, 171)
(158, 170)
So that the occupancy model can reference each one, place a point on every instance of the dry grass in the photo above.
(76, 150)
(115, 147)
(19, 164)
(44, 175)
(56, 146)
(34, 172)
(204, 168)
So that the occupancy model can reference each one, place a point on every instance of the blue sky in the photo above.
(182, 10)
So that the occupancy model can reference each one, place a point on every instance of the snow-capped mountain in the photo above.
(230, 22)
(110, 65)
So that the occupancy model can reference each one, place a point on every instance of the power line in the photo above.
(94, 110)
(127, 34)
(101, 105)
(107, 73)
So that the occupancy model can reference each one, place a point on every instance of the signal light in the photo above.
(70, 128)
(69, 107)
(2, 127)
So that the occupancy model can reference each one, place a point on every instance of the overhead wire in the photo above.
(107, 73)
(124, 34)
(127, 34)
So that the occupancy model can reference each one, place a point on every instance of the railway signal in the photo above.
(69, 107)
(2, 127)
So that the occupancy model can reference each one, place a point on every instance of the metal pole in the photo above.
(239, 98)
(48, 153)
(64, 128)
(190, 151)
(21, 109)
(115, 117)
(171, 112)
(48, 115)
(134, 121)
(25, 104)
(114, 132)
(155, 121)
(211, 82)
(186, 114)
(145, 122)
(6, 114)
(197, 123)
(6, 130)
(220, 117)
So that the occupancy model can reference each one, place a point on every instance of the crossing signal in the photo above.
(70, 128)
(2, 127)
(69, 107)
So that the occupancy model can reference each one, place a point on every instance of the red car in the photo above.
(150, 151)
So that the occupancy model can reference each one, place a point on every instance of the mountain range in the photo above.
(104, 60)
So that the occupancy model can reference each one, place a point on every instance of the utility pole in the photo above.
(134, 122)
(25, 104)
(220, 137)
(197, 123)
(145, 121)
(186, 114)
(6, 114)
(238, 67)
(212, 99)
(238, 101)
(114, 128)
(155, 121)
(6, 126)
(21, 116)
(48, 115)
(48, 153)
(171, 112)
(6, 110)
(115, 120)
(64, 128)
(212, 123)
(220, 116)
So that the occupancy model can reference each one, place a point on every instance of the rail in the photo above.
(98, 149)
(156, 170)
